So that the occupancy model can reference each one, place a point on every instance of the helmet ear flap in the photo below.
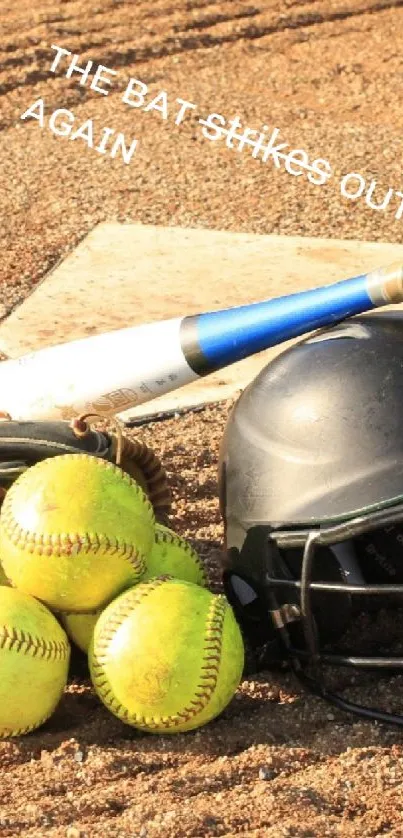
(254, 599)
(245, 586)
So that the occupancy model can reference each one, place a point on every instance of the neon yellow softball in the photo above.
(34, 660)
(166, 656)
(75, 531)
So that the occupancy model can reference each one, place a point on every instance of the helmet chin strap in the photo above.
(371, 713)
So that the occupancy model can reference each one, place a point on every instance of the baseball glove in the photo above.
(24, 443)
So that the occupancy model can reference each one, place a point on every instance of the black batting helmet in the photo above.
(311, 493)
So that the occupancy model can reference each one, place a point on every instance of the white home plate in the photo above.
(127, 274)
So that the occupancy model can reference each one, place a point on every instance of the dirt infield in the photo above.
(328, 74)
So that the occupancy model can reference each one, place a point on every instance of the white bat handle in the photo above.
(103, 374)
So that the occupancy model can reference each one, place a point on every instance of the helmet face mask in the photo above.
(298, 575)
(302, 605)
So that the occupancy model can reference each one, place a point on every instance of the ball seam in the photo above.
(24, 642)
(69, 544)
(100, 648)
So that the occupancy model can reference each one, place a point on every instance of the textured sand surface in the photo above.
(328, 75)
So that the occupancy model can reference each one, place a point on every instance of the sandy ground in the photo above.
(328, 75)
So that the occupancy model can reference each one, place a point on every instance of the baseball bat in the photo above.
(111, 372)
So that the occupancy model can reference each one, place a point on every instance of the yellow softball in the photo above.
(75, 531)
(173, 556)
(166, 656)
(34, 661)
(79, 627)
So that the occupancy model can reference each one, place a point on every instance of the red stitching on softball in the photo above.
(68, 544)
(28, 644)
